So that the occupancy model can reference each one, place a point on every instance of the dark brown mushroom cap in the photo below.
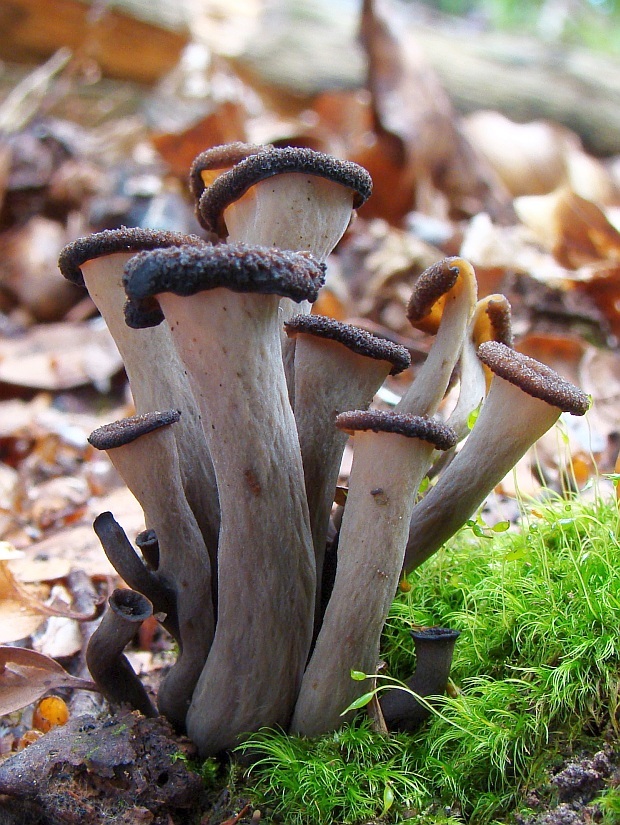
(219, 157)
(500, 319)
(432, 284)
(534, 378)
(77, 253)
(126, 430)
(358, 340)
(231, 185)
(188, 270)
(440, 435)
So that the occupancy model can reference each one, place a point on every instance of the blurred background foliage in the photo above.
(591, 23)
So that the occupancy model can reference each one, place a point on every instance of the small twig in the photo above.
(23, 103)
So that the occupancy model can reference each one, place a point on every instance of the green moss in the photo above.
(536, 665)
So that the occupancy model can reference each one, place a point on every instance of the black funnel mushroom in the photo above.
(434, 648)
(390, 457)
(108, 665)
(156, 376)
(526, 399)
(221, 304)
(338, 367)
(442, 302)
(142, 450)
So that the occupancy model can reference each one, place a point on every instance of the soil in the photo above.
(568, 797)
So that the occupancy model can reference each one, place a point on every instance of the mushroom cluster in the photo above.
(244, 402)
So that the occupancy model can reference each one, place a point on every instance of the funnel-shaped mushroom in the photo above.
(526, 398)
(443, 301)
(290, 198)
(222, 306)
(390, 458)
(134, 572)
(156, 376)
(107, 664)
(142, 450)
(434, 648)
(338, 367)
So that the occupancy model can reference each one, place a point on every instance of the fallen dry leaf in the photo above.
(419, 152)
(26, 676)
(226, 124)
(528, 157)
(19, 617)
(602, 285)
(29, 269)
(576, 230)
(22, 611)
(59, 357)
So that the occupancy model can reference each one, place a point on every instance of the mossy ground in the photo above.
(536, 679)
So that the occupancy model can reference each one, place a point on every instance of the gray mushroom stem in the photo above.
(156, 376)
(142, 450)
(434, 648)
(490, 322)
(229, 342)
(105, 659)
(338, 367)
(390, 458)
(523, 403)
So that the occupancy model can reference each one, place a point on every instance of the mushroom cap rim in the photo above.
(125, 430)
(440, 435)
(533, 377)
(432, 284)
(110, 241)
(223, 156)
(185, 271)
(232, 184)
(435, 634)
(356, 339)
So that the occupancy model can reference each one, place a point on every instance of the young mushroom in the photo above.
(443, 300)
(156, 376)
(133, 571)
(142, 450)
(390, 457)
(525, 399)
(491, 321)
(434, 648)
(338, 367)
(210, 164)
(108, 665)
(221, 304)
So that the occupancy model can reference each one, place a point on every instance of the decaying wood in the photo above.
(527, 80)
(524, 78)
(123, 46)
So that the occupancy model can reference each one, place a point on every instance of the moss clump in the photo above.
(536, 667)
